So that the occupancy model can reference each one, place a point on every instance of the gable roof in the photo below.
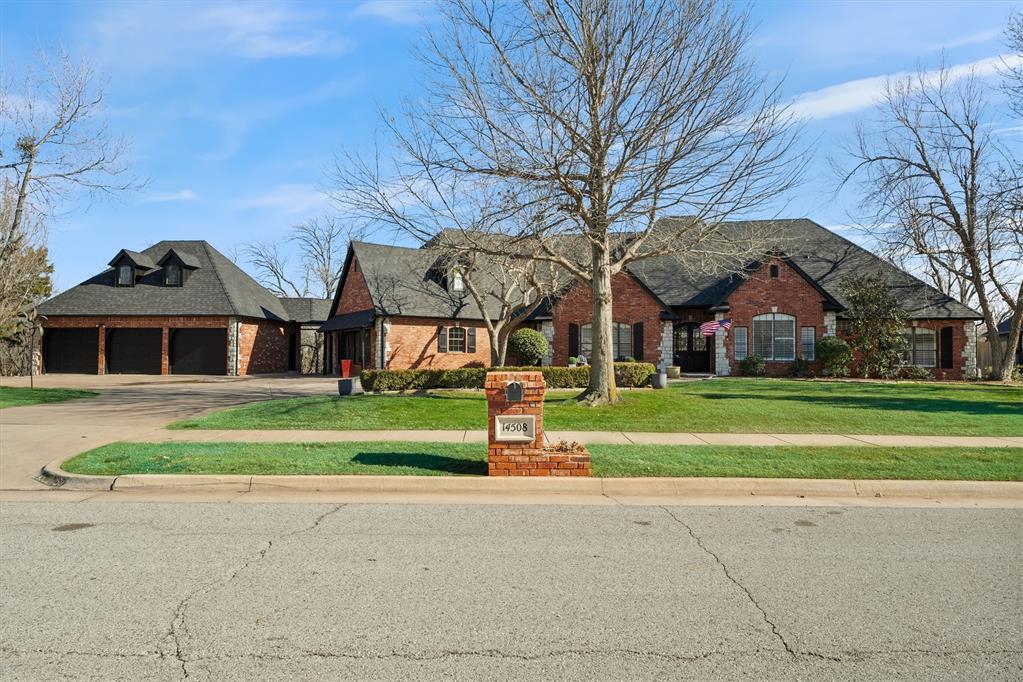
(214, 286)
(141, 260)
(817, 252)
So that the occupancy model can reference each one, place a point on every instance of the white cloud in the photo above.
(863, 93)
(180, 195)
(142, 35)
(288, 199)
(394, 11)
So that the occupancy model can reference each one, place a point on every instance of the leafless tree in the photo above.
(936, 180)
(54, 143)
(320, 244)
(600, 117)
(1013, 82)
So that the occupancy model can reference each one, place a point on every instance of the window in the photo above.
(457, 282)
(621, 340)
(172, 275)
(456, 340)
(741, 343)
(774, 336)
(921, 347)
(807, 342)
(125, 276)
(774, 271)
(844, 327)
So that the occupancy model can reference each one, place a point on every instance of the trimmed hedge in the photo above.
(627, 375)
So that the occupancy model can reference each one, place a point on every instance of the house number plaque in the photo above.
(515, 428)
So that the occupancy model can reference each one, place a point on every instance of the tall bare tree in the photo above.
(601, 116)
(1013, 82)
(320, 244)
(938, 181)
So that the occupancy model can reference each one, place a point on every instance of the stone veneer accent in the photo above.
(721, 367)
(528, 458)
(830, 324)
(970, 349)
(547, 329)
(667, 345)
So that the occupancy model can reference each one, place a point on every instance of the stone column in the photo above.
(547, 329)
(970, 350)
(721, 367)
(667, 345)
(232, 346)
(515, 430)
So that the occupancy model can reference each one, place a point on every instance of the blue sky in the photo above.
(235, 110)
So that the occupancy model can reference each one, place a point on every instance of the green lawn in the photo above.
(718, 405)
(16, 397)
(438, 459)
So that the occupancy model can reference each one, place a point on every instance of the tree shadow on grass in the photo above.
(895, 402)
(423, 460)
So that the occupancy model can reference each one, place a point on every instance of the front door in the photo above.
(692, 348)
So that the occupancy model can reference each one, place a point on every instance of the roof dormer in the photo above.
(129, 266)
(176, 266)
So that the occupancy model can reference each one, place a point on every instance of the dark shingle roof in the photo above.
(142, 260)
(1004, 326)
(215, 286)
(823, 255)
(306, 309)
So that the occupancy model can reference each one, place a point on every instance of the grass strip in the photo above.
(16, 396)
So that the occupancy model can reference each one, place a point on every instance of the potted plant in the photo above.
(674, 372)
(659, 379)
(573, 361)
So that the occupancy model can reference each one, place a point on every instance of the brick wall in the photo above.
(104, 323)
(631, 304)
(789, 293)
(413, 344)
(959, 342)
(355, 295)
(262, 347)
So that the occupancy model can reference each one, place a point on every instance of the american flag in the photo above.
(711, 328)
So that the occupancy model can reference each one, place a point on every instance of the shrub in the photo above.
(573, 360)
(627, 375)
(915, 373)
(1017, 373)
(835, 356)
(752, 366)
(528, 346)
(799, 368)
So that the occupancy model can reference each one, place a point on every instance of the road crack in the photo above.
(178, 630)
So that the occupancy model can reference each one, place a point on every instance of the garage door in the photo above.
(198, 351)
(71, 350)
(134, 351)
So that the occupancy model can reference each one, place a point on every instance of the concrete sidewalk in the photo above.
(586, 437)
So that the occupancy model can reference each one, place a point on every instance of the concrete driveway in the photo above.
(126, 408)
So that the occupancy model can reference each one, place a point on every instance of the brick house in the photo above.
(178, 307)
(396, 308)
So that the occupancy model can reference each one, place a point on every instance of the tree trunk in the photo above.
(601, 389)
(1003, 356)
(498, 347)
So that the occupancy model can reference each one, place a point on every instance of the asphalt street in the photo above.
(295, 591)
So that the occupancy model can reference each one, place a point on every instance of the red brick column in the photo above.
(101, 361)
(165, 351)
(525, 458)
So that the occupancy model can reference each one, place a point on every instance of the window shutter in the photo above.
(470, 342)
(573, 340)
(637, 341)
(947, 360)
(442, 340)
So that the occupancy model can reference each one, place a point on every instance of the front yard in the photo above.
(438, 459)
(11, 396)
(714, 406)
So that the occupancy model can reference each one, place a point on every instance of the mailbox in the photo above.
(513, 392)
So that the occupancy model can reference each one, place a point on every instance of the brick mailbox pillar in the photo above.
(515, 430)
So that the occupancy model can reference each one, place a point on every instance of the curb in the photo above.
(53, 475)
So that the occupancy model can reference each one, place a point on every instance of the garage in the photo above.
(134, 351)
(198, 351)
(71, 351)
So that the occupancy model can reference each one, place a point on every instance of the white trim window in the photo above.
(456, 339)
(921, 347)
(621, 340)
(740, 341)
(774, 336)
(807, 343)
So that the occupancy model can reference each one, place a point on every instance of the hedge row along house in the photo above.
(400, 308)
(179, 307)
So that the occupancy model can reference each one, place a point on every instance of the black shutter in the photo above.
(947, 361)
(573, 340)
(470, 340)
(637, 341)
(442, 340)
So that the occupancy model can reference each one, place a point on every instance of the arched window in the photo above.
(921, 347)
(774, 336)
